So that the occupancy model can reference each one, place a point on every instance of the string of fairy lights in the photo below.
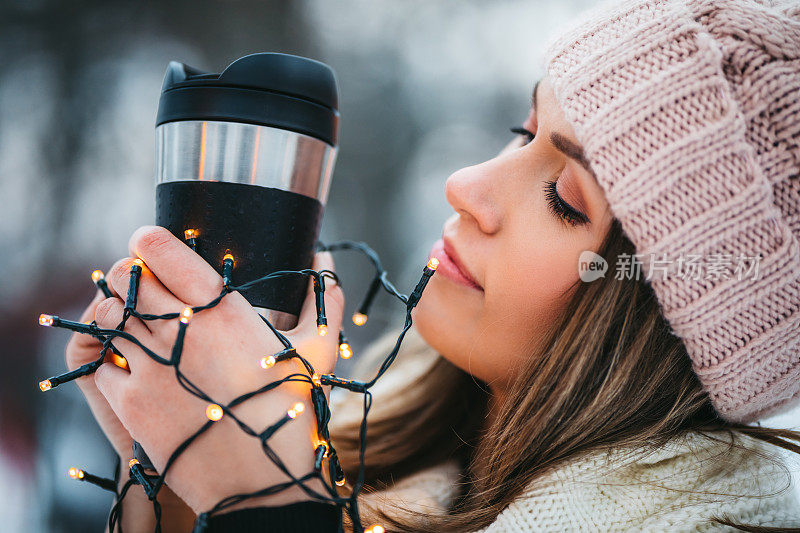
(324, 451)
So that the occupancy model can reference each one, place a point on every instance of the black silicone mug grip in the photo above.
(265, 229)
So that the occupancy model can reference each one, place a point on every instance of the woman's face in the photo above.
(521, 221)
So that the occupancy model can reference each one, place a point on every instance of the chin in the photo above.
(424, 317)
(432, 318)
(441, 321)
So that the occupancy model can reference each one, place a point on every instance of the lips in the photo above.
(450, 265)
(449, 250)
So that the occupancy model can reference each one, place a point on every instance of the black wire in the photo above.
(281, 336)
(319, 401)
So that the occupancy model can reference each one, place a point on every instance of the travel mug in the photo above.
(243, 167)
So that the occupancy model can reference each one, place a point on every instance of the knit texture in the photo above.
(689, 114)
(682, 486)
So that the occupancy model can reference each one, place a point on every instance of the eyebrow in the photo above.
(570, 149)
(561, 143)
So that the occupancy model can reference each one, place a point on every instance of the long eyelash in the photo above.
(519, 130)
(561, 208)
(557, 205)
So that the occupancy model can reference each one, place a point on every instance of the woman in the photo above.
(541, 397)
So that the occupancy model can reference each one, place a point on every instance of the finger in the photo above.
(333, 296)
(108, 315)
(113, 383)
(184, 273)
(83, 348)
(152, 297)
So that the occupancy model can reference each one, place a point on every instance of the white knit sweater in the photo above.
(679, 487)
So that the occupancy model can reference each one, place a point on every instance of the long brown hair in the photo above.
(611, 373)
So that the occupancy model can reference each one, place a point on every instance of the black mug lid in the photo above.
(268, 89)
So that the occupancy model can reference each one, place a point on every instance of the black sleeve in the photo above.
(300, 517)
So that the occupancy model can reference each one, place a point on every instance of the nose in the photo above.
(471, 191)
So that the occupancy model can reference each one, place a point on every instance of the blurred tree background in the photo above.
(426, 86)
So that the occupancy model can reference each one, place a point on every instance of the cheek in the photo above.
(536, 273)
(530, 289)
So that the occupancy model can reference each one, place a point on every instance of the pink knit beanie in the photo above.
(689, 114)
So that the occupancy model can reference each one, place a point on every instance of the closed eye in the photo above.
(561, 208)
(558, 205)
(519, 130)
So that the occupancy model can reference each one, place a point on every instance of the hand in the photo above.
(221, 355)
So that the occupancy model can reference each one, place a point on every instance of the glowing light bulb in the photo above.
(433, 263)
(45, 385)
(190, 234)
(133, 462)
(296, 410)
(45, 320)
(186, 314)
(322, 329)
(228, 257)
(97, 275)
(138, 262)
(319, 443)
(341, 482)
(359, 319)
(214, 412)
(119, 361)
(316, 380)
(268, 362)
(375, 529)
(345, 352)
(75, 473)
